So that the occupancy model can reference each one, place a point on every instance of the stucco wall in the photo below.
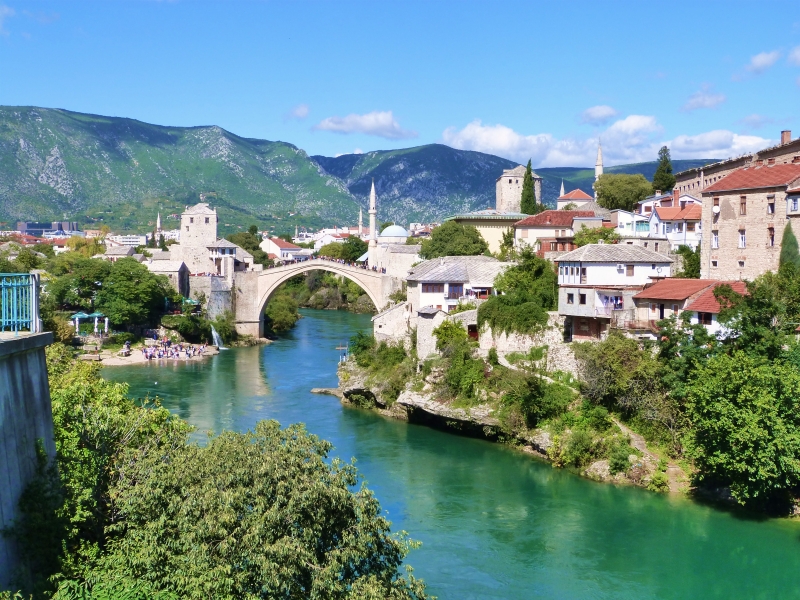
(25, 416)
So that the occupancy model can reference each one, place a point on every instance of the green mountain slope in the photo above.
(421, 184)
(56, 163)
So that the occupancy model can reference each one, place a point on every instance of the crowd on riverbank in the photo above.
(166, 349)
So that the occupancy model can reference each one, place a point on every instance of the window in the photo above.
(679, 227)
(770, 236)
(714, 263)
(653, 308)
(206, 220)
(433, 288)
(715, 239)
(716, 201)
(655, 246)
(628, 270)
(741, 264)
(191, 219)
(675, 309)
(742, 205)
(645, 244)
(648, 209)
(187, 228)
(653, 266)
(794, 203)
(509, 181)
(455, 291)
(560, 270)
(742, 238)
(690, 227)
(583, 275)
(570, 298)
(704, 318)
(582, 298)
(553, 246)
(523, 233)
(771, 208)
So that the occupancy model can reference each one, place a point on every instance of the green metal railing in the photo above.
(19, 302)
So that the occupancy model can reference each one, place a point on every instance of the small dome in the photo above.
(394, 231)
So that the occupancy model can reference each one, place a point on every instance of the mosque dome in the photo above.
(393, 231)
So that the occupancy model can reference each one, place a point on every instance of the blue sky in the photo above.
(517, 79)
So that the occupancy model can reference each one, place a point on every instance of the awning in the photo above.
(79, 315)
(98, 315)
(363, 257)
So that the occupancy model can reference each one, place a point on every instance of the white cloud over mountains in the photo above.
(636, 138)
(598, 115)
(378, 123)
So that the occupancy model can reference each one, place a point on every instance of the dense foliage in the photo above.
(281, 312)
(593, 235)
(350, 250)
(691, 262)
(527, 290)
(663, 179)
(621, 190)
(250, 240)
(529, 205)
(453, 239)
(790, 254)
(132, 510)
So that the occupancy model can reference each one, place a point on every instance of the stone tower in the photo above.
(598, 166)
(373, 234)
(508, 189)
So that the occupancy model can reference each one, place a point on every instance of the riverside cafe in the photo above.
(82, 316)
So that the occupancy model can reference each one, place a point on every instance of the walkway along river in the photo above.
(494, 523)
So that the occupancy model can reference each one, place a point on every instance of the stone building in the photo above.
(744, 215)
(508, 189)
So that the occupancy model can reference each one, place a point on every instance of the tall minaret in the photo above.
(373, 236)
(158, 224)
(360, 222)
(561, 193)
(598, 165)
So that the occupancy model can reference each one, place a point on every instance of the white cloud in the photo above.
(703, 98)
(763, 61)
(6, 12)
(636, 138)
(756, 121)
(598, 115)
(794, 56)
(378, 123)
(298, 112)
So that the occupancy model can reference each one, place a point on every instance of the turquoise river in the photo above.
(494, 523)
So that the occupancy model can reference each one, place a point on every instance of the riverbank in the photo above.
(136, 357)
(422, 402)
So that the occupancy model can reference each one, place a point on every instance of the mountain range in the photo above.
(96, 170)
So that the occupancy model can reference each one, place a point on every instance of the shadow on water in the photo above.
(494, 523)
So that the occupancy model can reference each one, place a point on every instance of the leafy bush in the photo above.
(281, 312)
(225, 324)
(579, 449)
(449, 333)
(618, 461)
(659, 483)
(493, 359)
(192, 328)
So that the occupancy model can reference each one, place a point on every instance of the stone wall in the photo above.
(25, 416)
(395, 324)
(218, 294)
(559, 353)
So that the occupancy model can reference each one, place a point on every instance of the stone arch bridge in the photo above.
(253, 289)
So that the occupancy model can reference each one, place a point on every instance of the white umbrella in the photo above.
(106, 324)
(95, 325)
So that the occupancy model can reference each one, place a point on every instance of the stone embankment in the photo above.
(423, 407)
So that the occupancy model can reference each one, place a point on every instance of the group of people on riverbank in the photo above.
(176, 351)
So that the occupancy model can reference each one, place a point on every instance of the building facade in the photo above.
(508, 189)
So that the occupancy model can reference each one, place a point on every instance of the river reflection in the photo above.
(494, 523)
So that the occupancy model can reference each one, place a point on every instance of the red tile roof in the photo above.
(748, 178)
(693, 212)
(667, 213)
(577, 194)
(674, 289)
(283, 244)
(707, 303)
(553, 218)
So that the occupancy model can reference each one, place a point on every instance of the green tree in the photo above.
(281, 312)
(76, 280)
(132, 295)
(789, 249)
(691, 262)
(745, 414)
(663, 179)
(453, 239)
(162, 244)
(332, 250)
(250, 240)
(353, 248)
(594, 235)
(288, 524)
(528, 204)
(449, 333)
(621, 190)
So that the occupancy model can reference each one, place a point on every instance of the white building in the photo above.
(598, 279)
(131, 240)
(278, 249)
(442, 283)
(628, 224)
(576, 197)
(705, 309)
(681, 226)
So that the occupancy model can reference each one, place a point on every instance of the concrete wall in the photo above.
(25, 416)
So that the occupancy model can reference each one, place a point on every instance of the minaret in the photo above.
(158, 223)
(296, 232)
(373, 236)
(561, 193)
(598, 165)
(360, 222)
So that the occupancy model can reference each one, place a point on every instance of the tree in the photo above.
(332, 250)
(132, 295)
(76, 280)
(621, 190)
(453, 239)
(691, 262)
(281, 312)
(789, 249)
(570, 206)
(353, 248)
(528, 204)
(593, 235)
(746, 427)
(663, 179)
(162, 244)
(250, 240)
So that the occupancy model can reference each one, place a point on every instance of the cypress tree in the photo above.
(790, 254)
(663, 179)
(529, 205)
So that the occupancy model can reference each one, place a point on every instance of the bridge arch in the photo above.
(270, 280)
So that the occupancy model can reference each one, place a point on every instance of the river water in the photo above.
(494, 523)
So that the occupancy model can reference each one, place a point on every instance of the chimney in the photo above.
(786, 136)
(658, 192)
(675, 196)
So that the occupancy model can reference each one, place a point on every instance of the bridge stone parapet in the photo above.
(254, 289)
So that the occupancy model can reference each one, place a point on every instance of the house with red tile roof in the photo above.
(553, 230)
(681, 224)
(705, 308)
(282, 249)
(744, 215)
(577, 197)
